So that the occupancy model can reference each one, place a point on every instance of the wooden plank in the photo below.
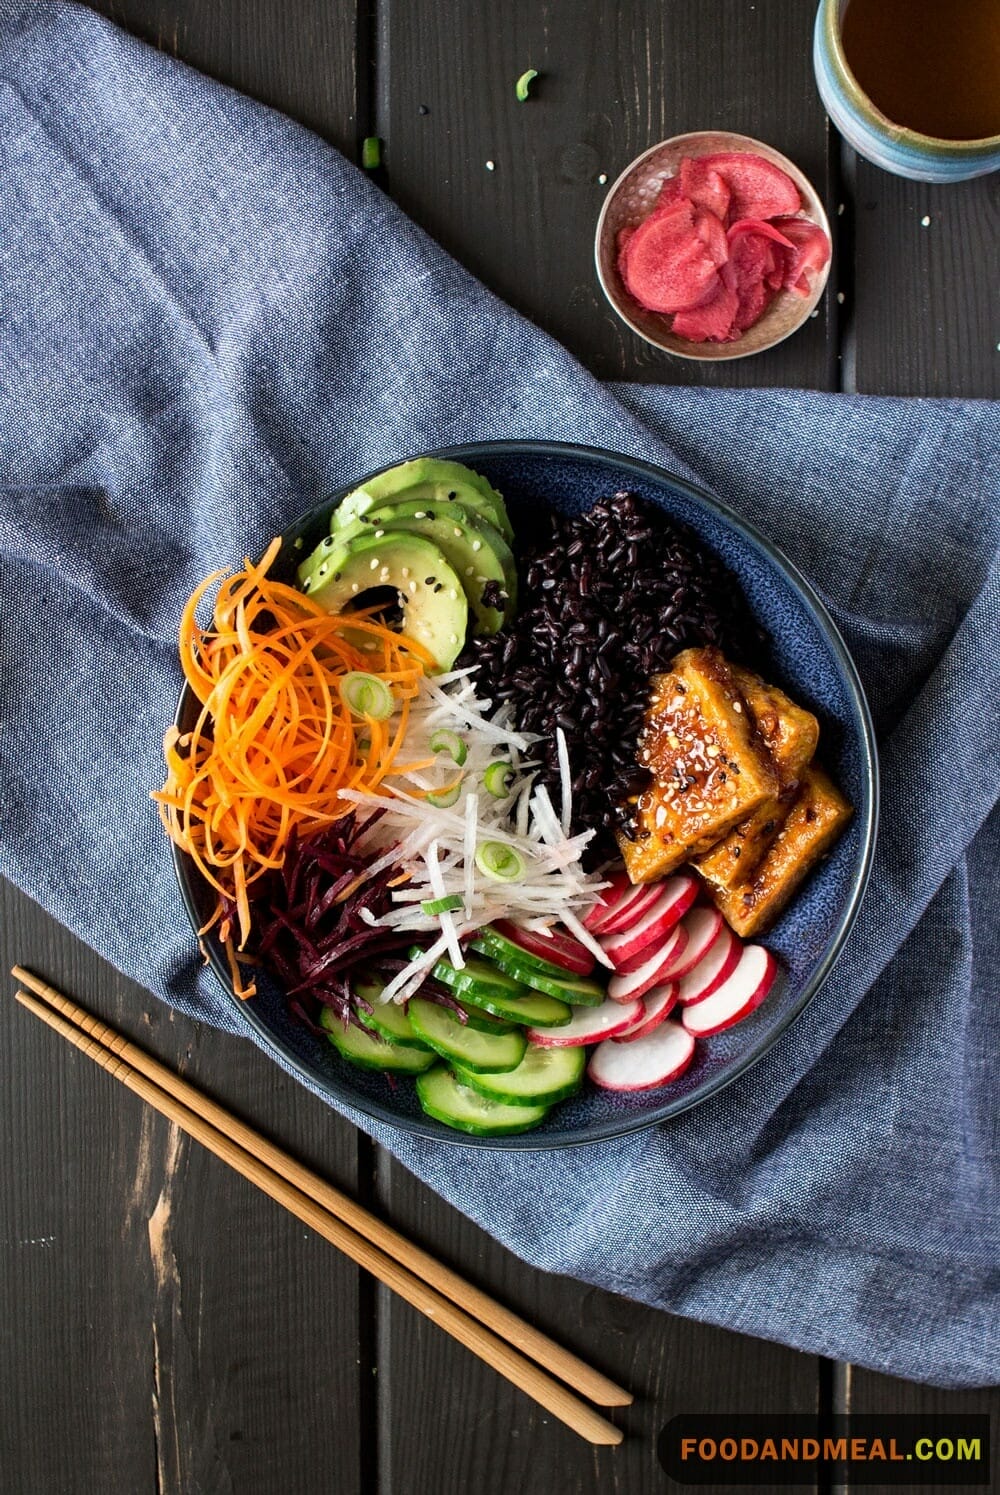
(167, 1327)
(866, 1391)
(299, 56)
(611, 84)
(926, 297)
(449, 1425)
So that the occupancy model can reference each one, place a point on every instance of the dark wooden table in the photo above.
(166, 1328)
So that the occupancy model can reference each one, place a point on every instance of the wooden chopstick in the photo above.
(468, 1314)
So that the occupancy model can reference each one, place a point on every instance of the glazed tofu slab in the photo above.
(813, 823)
(790, 734)
(711, 768)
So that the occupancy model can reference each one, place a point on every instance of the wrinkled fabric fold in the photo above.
(209, 319)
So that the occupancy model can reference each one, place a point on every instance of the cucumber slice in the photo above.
(543, 1077)
(368, 1051)
(443, 1096)
(485, 1053)
(388, 1020)
(498, 947)
(486, 986)
(580, 991)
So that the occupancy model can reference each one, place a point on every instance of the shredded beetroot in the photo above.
(725, 237)
(311, 929)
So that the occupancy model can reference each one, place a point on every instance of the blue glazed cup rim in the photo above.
(867, 815)
(928, 145)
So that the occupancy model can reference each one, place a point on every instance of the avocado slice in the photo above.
(435, 610)
(430, 480)
(477, 552)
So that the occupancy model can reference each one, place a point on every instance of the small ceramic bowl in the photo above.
(632, 199)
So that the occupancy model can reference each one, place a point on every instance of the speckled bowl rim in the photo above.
(931, 145)
(713, 352)
(867, 817)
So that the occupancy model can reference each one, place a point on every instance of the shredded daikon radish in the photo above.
(565, 783)
(436, 814)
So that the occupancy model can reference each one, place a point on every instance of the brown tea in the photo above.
(931, 65)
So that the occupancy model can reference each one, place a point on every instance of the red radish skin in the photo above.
(675, 897)
(631, 909)
(715, 966)
(589, 1025)
(646, 1064)
(608, 900)
(558, 947)
(654, 970)
(657, 1005)
(702, 925)
(738, 996)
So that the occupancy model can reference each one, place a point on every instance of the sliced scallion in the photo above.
(443, 799)
(367, 695)
(498, 778)
(448, 905)
(443, 741)
(499, 862)
(524, 83)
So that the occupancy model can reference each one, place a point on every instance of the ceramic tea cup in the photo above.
(897, 149)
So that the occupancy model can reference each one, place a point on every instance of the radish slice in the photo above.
(715, 966)
(652, 972)
(645, 1064)
(737, 997)
(556, 946)
(657, 1004)
(609, 900)
(675, 897)
(588, 1025)
(631, 909)
(703, 926)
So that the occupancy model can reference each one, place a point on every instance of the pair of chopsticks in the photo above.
(554, 1377)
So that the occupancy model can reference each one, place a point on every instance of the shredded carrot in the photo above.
(273, 744)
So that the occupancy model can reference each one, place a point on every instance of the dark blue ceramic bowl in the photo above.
(808, 659)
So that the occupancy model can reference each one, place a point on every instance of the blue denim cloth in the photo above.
(208, 319)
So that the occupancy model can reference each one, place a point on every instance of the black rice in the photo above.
(607, 599)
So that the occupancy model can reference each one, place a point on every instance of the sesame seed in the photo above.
(453, 594)
(421, 515)
(737, 708)
(470, 570)
(404, 572)
(477, 544)
(925, 221)
(374, 565)
(490, 166)
(413, 587)
(355, 587)
(457, 531)
(454, 638)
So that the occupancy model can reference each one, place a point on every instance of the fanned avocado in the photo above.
(427, 480)
(478, 553)
(431, 596)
